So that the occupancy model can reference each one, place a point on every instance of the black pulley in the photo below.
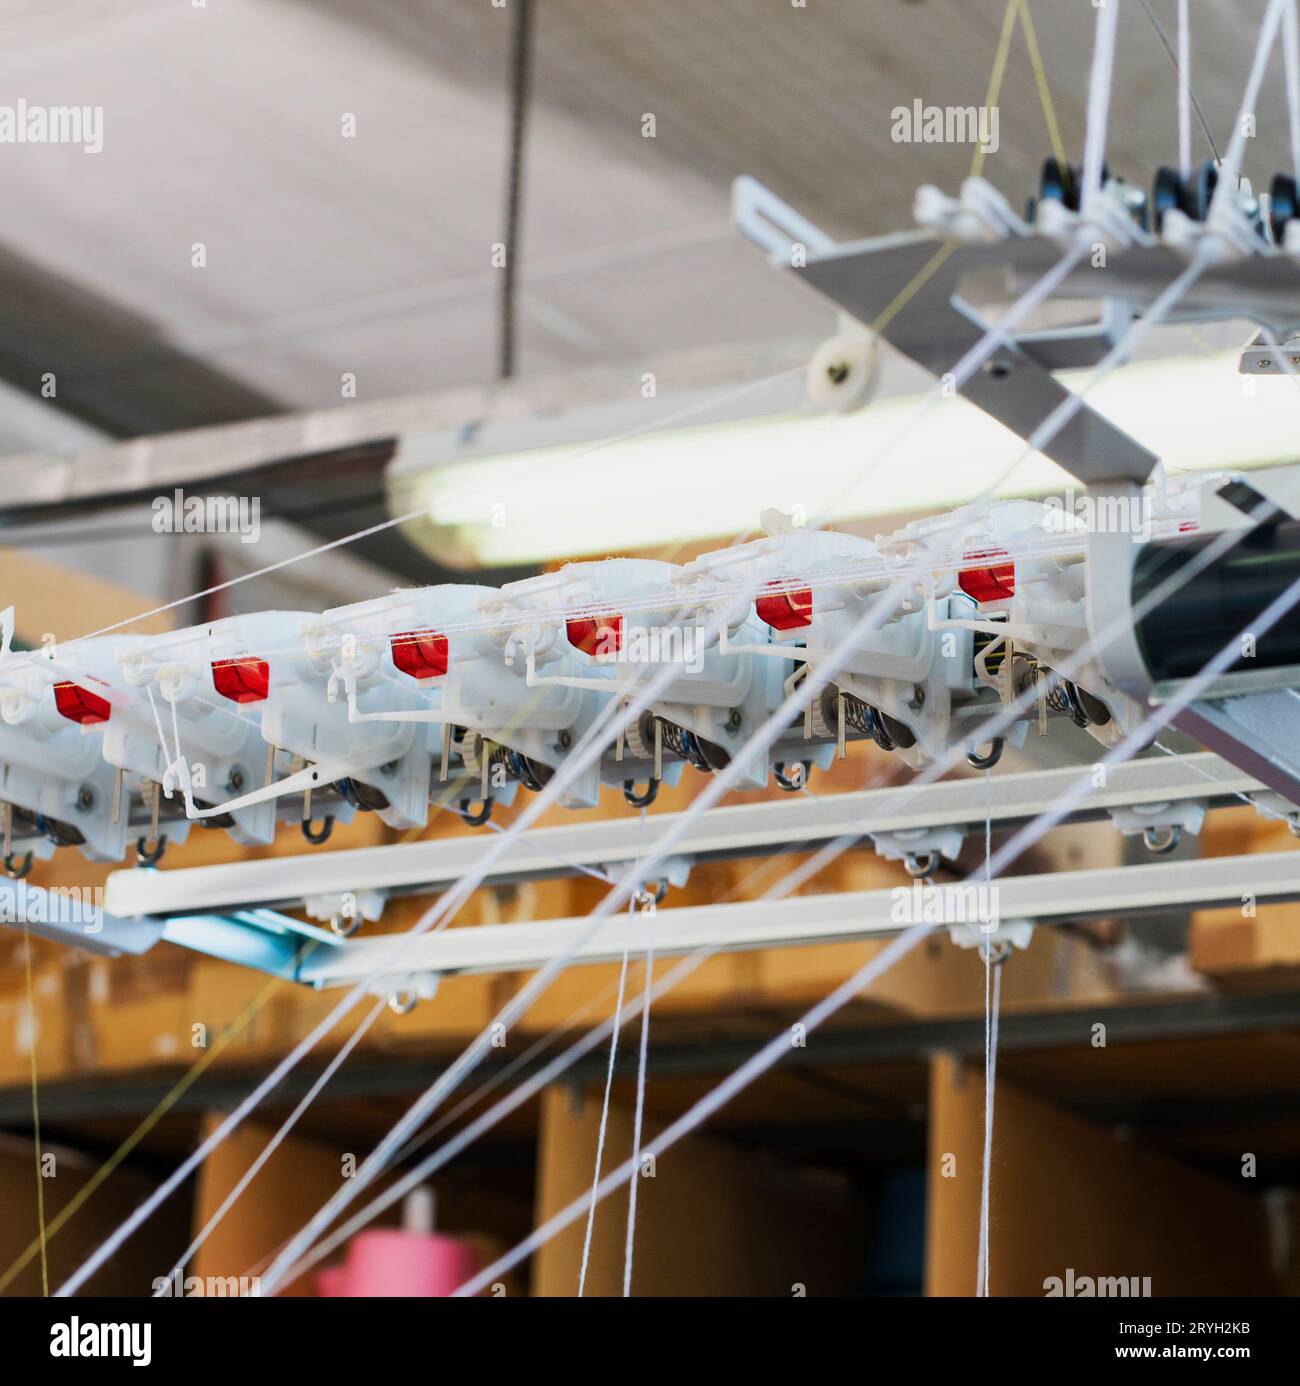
(1191, 196)
(1202, 190)
(1218, 603)
(1060, 183)
(1282, 204)
(1166, 194)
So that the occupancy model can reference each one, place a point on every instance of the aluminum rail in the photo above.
(799, 823)
(74, 916)
(1051, 897)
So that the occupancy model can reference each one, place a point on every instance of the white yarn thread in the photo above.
(1099, 87)
(992, 1005)
(640, 1110)
(604, 1114)
(982, 1265)
(609, 1084)
(277, 1139)
(1232, 161)
(1184, 91)
(1291, 57)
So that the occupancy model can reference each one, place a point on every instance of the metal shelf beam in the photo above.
(1149, 1019)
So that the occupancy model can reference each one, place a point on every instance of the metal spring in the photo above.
(1063, 697)
(681, 743)
(864, 718)
(993, 663)
(529, 773)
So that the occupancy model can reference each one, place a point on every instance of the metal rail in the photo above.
(799, 823)
(1052, 897)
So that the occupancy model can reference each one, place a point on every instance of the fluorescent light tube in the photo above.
(895, 457)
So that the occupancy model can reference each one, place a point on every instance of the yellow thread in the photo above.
(141, 1131)
(918, 280)
(1044, 92)
(36, 1113)
(995, 77)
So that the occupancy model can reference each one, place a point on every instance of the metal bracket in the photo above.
(935, 327)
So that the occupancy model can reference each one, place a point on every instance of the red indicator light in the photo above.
(995, 583)
(595, 635)
(245, 680)
(786, 608)
(80, 705)
(420, 653)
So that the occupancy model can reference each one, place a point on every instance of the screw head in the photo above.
(734, 719)
(918, 697)
(564, 741)
(86, 798)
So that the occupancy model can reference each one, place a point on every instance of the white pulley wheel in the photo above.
(843, 372)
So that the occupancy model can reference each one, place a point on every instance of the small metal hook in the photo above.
(660, 891)
(996, 950)
(792, 784)
(146, 855)
(645, 799)
(344, 925)
(318, 835)
(1161, 847)
(986, 762)
(17, 873)
(921, 865)
(476, 820)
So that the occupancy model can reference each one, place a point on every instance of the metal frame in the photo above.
(935, 327)
(834, 918)
(799, 823)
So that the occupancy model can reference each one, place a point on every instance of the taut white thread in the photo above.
(609, 1083)
(1291, 58)
(992, 1005)
(640, 1108)
(278, 1137)
(1184, 91)
(1099, 85)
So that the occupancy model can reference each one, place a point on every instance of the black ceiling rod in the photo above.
(520, 80)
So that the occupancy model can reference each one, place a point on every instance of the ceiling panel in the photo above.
(325, 255)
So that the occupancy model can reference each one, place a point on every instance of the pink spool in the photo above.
(332, 1282)
(389, 1263)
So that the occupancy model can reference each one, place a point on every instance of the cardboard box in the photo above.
(43, 1025)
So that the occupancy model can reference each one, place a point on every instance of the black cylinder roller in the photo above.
(1186, 629)
(1282, 204)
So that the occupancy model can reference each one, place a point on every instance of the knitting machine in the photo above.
(464, 694)
(1014, 615)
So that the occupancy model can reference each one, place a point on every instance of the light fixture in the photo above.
(902, 455)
